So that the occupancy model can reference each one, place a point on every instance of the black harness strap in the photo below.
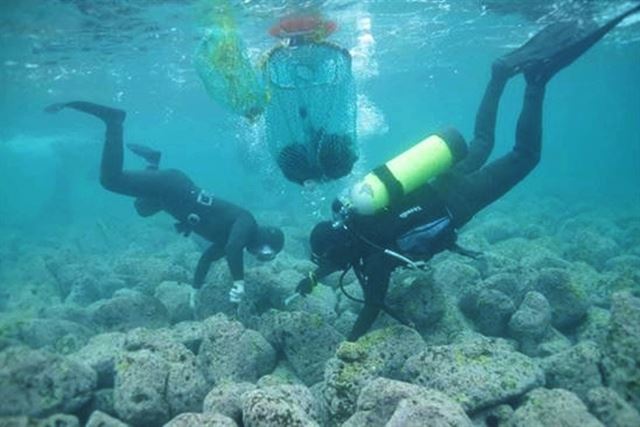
(393, 186)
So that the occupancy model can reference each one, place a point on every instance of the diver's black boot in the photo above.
(107, 114)
(556, 46)
(149, 154)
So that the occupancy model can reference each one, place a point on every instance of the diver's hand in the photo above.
(54, 108)
(306, 285)
(237, 291)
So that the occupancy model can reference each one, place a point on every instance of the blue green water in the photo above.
(424, 66)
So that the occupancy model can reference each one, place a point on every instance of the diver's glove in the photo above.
(237, 291)
(306, 285)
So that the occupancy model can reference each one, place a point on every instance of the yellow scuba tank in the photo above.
(406, 172)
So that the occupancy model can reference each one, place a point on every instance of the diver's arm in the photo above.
(211, 254)
(242, 230)
(377, 272)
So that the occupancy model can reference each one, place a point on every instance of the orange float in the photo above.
(296, 26)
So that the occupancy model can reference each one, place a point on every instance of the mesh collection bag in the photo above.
(311, 114)
(224, 67)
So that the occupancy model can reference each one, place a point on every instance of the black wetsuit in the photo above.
(230, 228)
(454, 197)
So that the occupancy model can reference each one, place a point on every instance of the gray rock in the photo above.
(493, 311)
(552, 408)
(176, 297)
(611, 409)
(495, 416)
(283, 374)
(231, 352)
(415, 295)
(595, 326)
(201, 420)
(190, 334)
(569, 302)
(531, 323)
(305, 339)
(37, 383)
(100, 354)
(156, 378)
(226, 399)
(20, 421)
(145, 272)
(454, 277)
(510, 284)
(100, 419)
(62, 336)
(476, 374)
(289, 405)
(59, 420)
(382, 352)
(385, 402)
(592, 248)
(554, 342)
(576, 369)
(622, 350)
(71, 312)
(102, 401)
(129, 310)
(139, 394)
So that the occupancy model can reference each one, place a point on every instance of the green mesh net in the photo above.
(225, 69)
(311, 113)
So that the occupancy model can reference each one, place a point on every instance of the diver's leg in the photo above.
(112, 176)
(465, 195)
(558, 45)
(485, 126)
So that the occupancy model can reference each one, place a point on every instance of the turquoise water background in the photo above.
(420, 66)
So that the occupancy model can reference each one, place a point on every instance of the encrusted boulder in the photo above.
(61, 336)
(622, 349)
(100, 419)
(287, 405)
(156, 378)
(576, 369)
(38, 383)
(384, 402)
(531, 322)
(568, 300)
(128, 310)
(230, 352)
(476, 374)
(305, 339)
(100, 354)
(382, 352)
(226, 399)
(176, 297)
(552, 408)
(611, 409)
(191, 419)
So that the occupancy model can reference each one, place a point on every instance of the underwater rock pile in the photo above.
(542, 329)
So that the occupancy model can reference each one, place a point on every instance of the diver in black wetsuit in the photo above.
(424, 222)
(230, 228)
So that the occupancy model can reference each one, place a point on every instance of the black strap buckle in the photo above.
(204, 198)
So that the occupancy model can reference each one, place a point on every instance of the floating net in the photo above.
(311, 113)
(224, 67)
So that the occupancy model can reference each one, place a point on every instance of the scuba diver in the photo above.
(409, 209)
(230, 228)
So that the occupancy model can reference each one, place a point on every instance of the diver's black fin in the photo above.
(108, 114)
(149, 154)
(557, 46)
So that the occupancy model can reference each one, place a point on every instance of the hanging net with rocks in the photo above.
(311, 114)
